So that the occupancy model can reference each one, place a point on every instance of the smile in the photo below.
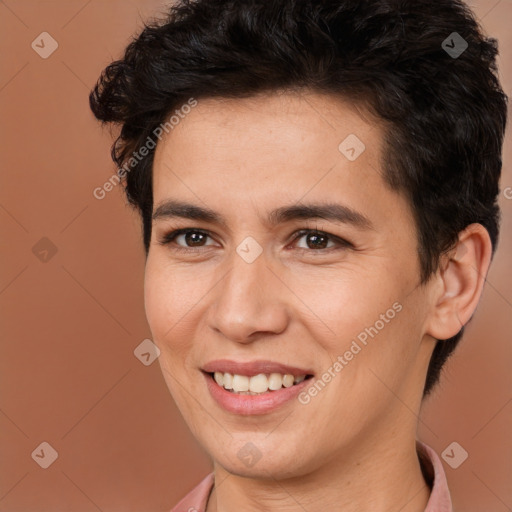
(257, 384)
(254, 387)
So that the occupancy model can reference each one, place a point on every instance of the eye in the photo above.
(316, 240)
(192, 236)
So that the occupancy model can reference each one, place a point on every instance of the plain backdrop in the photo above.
(71, 295)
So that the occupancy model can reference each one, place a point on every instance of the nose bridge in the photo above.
(246, 301)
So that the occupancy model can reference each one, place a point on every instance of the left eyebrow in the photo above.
(327, 211)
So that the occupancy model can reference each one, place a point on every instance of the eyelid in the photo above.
(341, 243)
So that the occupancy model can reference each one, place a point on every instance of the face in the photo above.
(269, 281)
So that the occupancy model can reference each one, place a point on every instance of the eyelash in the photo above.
(170, 237)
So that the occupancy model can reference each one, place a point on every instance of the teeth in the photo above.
(275, 381)
(288, 380)
(228, 381)
(240, 383)
(256, 384)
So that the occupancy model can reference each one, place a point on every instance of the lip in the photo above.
(252, 404)
(251, 368)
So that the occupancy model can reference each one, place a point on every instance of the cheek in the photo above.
(155, 298)
(171, 332)
(174, 302)
(373, 324)
(389, 350)
(165, 304)
(346, 304)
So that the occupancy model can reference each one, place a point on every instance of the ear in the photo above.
(459, 282)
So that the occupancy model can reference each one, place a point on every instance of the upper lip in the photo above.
(250, 368)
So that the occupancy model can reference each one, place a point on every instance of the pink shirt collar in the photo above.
(440, 500)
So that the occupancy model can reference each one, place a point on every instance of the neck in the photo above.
(385, 477)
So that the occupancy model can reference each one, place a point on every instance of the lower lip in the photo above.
(252, 404)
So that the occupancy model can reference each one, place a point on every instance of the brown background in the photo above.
(69, 325)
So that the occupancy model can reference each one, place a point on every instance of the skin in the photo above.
(352, 447)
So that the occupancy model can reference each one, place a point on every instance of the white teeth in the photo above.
(275, 381)
(240, 383)
(256, 384)
(288, 380)
(228, 381)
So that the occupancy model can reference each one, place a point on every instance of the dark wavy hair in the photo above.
(446, 114)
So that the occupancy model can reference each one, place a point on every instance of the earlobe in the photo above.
(461, 277)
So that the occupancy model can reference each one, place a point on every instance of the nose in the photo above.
(250, 302)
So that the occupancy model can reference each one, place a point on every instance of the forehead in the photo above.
(270, 149)
(279, 121)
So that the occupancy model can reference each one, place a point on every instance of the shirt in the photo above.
(431, 466)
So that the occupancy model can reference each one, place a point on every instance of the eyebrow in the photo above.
(327, 211)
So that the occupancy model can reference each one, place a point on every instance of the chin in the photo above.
(262, 470)
(261, 461)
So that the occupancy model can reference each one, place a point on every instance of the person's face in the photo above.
(303, 300)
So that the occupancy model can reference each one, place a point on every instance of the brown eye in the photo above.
(191, 238)
(194, 238)
(318, 240)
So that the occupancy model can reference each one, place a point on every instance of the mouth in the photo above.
(257, 387)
